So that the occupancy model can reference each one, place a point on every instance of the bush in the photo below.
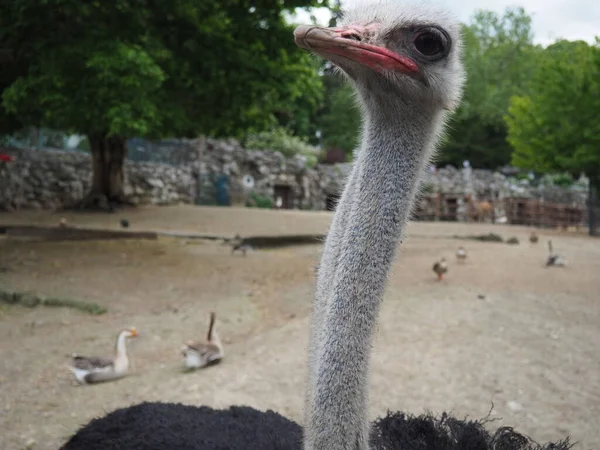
(563, 180)
(259, 201)
(279, 139)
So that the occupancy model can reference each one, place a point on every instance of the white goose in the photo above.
(92, 369)
(554, 259)
(461, 254)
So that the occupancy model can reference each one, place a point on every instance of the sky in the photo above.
(552, 19)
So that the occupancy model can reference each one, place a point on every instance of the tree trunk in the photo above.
(108, 179)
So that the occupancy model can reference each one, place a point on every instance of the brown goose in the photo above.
(203, 353)
(440, 267)
(92, 369)
(533, 238)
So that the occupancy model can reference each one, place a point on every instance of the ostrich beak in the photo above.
(341, 41)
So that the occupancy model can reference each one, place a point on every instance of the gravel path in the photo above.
(529, 347)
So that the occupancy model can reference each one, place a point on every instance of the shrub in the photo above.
(281, 140)
(260, 201)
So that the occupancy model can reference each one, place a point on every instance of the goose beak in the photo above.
(348, 43)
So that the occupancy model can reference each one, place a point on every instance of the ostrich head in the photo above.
(394, 53)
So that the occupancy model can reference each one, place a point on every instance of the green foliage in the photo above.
(151, 69)
(555, 127)
(32, 300)
(340, 121)
(562, 179)
(499, 58)
(339, 118)
(300, 116)
(281, 140)
(260, 201)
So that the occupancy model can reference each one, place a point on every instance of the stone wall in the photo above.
(268, 170)
(57, 179)
(171, 172)
(489, 185)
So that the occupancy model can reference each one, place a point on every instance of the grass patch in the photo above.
(32, 300)
(81, 305)
(490, 237)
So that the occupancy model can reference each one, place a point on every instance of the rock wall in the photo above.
(489, 185)
(57, 179)
(172, 171)
(249, 171)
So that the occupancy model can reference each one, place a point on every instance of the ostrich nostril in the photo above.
(353, 35)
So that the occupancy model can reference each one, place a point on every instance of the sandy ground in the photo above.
(530, 346)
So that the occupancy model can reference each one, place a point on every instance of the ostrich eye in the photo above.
(430, 43)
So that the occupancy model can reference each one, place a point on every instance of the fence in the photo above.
(518, 211)
(545, 214)
(174, 152)
(166, 151)
(452, 207)
(556, 215)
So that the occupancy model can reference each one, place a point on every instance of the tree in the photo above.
(114, 70)
(555, 127)
(339, 118)
(300, 116)
(499, 57)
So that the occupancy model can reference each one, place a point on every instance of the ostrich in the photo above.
(404, 63)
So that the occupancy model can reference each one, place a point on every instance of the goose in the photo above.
(93, 369)
(440, 268)
(554, 259)
(461, 253)
(202, 354)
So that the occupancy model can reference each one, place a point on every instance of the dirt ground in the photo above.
(530, 347)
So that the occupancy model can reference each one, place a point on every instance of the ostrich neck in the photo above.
(358, 253)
